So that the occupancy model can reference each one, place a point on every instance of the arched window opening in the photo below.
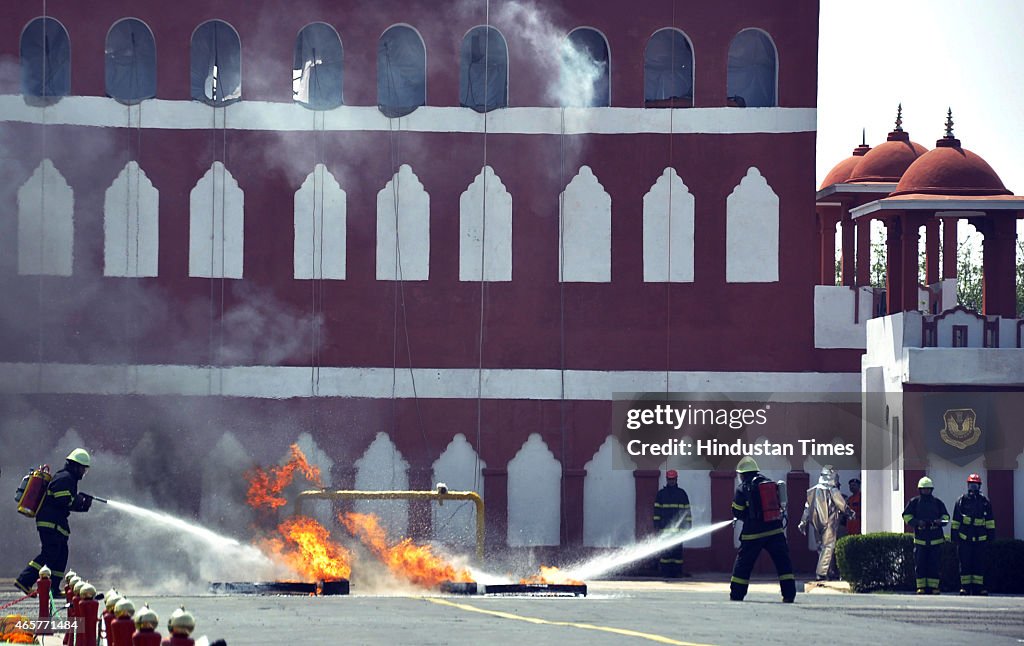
(317, 68)
(45, 59)
(483, 70)
(130, 61)
(401, 71)
(216, 63)
(752, 70)
(585, 66)
(668, 71)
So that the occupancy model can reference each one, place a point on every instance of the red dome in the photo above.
(844, 169)
(950, 170)
(886, 163)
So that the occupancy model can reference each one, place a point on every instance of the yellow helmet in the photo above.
(80, 456)
(746, 465)
(925, 483)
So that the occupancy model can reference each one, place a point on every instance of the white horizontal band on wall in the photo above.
(264, 115)
(280, 382)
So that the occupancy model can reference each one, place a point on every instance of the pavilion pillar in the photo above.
(893, 265)
(949, 242)
(998, 282)
(848, 276)
(864, 251)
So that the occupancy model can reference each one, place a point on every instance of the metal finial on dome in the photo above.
(863, 136)
(949, 123)
(899, 118)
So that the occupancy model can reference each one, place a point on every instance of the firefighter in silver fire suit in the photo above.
(824, 510)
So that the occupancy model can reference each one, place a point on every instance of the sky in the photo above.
(929, 55)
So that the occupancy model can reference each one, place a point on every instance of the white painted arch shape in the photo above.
(534, 495)
(485, 241)
(320, 223)
(585, 231)
(403, 228)
(131, 225)
(669, 209)
(609, 497)
(382, 468)
(216, 225)
(752, 231)
(459, 467)
(46, 226)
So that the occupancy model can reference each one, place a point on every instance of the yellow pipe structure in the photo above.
(343, 494)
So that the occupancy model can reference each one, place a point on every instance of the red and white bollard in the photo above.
(123, 627)
(110, 599)
(146, 622)
(180, 625)
(43, 589)
(88, 609)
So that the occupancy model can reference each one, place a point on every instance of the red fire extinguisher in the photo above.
(33, 490)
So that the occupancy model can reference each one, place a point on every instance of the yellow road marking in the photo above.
(536, 620)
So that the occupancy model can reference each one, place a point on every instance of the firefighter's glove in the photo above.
(83, 502)
(802, 527)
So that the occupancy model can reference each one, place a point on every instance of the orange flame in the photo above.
(265, 486)
(417, 563)
(307, 548)
(552, 575)
(10, 633)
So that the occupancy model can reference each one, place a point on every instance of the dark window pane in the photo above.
(401, 72)
(584, 81)
(216, 63)
(483, 70)
(130, 63)
(668, 70)
(317, 68)
(751, 81)
(45, 59)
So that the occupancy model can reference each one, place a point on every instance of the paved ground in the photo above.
(616, 612)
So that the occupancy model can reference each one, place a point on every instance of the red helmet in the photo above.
(672, 474)
(974, 477)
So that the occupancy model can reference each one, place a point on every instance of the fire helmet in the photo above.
(925, 483)
(746, 465)
(80, 456)
(671, 474)
(974, 477)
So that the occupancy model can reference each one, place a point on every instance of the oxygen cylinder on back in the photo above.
(33, 490)
(783, 495)
(771, 508)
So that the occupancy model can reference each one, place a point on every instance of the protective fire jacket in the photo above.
(925, 514)
(61, 499)
(972, 519)
(672, 508)
(746, 507)
(825, 504)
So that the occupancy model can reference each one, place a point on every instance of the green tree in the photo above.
(968, 278)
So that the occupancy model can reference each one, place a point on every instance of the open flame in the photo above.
(11, 634)
(416, 563)
(306, 547)
(303, 544)
(551, 575)
(265, 486)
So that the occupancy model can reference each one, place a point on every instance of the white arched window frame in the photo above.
(753, 70)
(130, 61)
(216, 63)
(483, 84)
(317, 67)
(586, 69)
(669, 69)
(45, 51)
(401, 71)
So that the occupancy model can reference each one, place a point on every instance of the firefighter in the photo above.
(62, 497)
(927, 514)
(762, 529)
(823, 510)
(672, 517)
(972, 529)
(853, 504)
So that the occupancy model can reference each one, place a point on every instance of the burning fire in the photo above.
(417, 563)
(307, 548)
(265, 486)
(10, 633)
(551, 575)
(303, 544)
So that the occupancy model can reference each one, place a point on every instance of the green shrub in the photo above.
(885, 561)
